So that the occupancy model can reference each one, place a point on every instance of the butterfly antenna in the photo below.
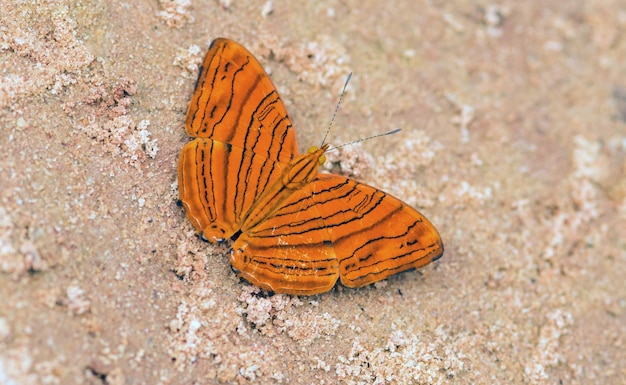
(332, 120)
(364, 139)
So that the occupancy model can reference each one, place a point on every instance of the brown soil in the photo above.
(513, 145)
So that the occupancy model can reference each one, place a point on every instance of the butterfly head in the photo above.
(320, 152)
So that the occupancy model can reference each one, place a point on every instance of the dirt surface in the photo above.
(513, 143)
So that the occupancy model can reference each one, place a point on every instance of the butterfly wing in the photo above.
(335, 227)
(290, 250)
(243, 139)
(219, 182)
(235, 102)
(374, 234)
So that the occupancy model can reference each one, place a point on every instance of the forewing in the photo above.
(235, 102)
(374, 234)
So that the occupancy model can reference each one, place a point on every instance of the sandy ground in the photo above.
(513, 144)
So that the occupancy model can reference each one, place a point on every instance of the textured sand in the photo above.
(513, 144)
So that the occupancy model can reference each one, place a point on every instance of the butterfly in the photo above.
(293, 229)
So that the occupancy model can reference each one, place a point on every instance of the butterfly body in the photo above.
(293, 230)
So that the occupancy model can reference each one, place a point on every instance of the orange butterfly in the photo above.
(294, 230)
